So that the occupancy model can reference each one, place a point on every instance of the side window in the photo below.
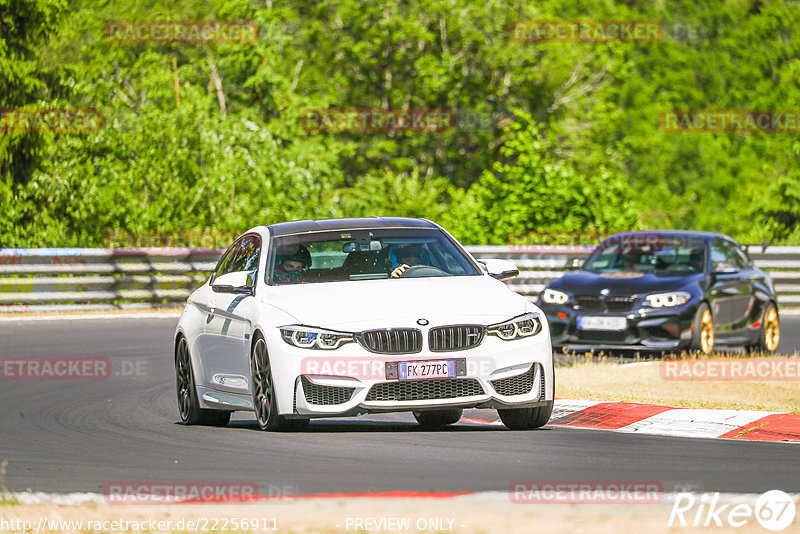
(742, 259)
(721, 252)
(223, 267)
(246, 255)
(242, 256)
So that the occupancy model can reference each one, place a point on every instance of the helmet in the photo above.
(297, 253)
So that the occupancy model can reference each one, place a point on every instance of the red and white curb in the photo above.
(668, 421)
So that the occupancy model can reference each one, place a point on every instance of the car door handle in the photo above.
(211, 305)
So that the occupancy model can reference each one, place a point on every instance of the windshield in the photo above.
(643, 252)
(364, 255)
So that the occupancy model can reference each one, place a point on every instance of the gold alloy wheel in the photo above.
(706, 332)
(772, 329)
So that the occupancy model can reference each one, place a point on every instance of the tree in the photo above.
(25, 81)
(531, 190)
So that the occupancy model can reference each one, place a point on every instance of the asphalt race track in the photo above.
(71, 436)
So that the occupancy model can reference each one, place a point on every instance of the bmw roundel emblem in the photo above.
(422, 322)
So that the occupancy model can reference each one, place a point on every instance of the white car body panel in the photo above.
(220, 328)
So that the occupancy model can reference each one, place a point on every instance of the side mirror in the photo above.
(501, 269)
(573, 264)
(725, 267)
(238, 282)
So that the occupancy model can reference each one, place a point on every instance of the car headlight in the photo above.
(306, 337)
(666, 300)
(551, 296)
(522, 326)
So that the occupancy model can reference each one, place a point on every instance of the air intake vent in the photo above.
(425, 390)
(542, 392)
(325, 395)
(456, 337)
(517, 385)
(393, 341)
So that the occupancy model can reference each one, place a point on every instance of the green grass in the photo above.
(6, 499)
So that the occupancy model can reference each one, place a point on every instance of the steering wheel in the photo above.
(422, 271)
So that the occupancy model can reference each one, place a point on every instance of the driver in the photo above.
(408, 256)
(292, 268)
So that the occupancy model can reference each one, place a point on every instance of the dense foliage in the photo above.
(566, 136)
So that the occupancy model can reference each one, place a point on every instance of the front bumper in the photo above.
(498, 374)
(646, 329)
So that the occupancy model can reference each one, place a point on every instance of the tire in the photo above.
(264, 402)
(435, 418)
(529, 418)
(703, 331)
(770, 335)
(526, 418)
(188, 403)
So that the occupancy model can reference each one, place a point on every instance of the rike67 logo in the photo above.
(774, 510)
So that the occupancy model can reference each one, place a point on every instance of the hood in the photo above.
(623, 283)
(398, 302)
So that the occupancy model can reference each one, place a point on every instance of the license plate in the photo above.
(590, 322)
(421, 370)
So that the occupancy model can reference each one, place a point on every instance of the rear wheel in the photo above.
(526, 418)
(188, 403)
(438, 417)
(264, 402)
(703, 330)
(770, 336)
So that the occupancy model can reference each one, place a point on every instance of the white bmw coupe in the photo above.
(343, 317)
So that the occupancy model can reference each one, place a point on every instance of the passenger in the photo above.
(292, 268)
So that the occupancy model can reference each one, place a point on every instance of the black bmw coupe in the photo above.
(664, 291)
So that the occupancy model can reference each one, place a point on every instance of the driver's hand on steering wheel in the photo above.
(400, 270)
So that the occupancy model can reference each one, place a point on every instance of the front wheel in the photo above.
(435, 418)
(188, 403)
(264, 402)
(703, 330)
(526, 418)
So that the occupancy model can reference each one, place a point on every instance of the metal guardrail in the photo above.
(84, 279)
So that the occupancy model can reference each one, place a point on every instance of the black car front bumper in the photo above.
(646, 329)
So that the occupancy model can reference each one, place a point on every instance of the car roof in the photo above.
(362, 223)
(691, 233)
